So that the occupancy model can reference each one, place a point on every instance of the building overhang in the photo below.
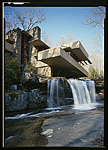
(9, 38)
(40, 44)
(8, 46)
(59, 59)
(77, 48)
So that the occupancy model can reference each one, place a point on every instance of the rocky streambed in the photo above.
(62, 126)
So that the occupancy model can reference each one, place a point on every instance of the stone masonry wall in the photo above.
(17, 43)
(35, 33)
(45, 71)
(33, 51)
(34, 54)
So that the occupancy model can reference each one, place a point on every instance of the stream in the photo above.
(64, 126)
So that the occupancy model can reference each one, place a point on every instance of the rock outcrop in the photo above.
(25, 100)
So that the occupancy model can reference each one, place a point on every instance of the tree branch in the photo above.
(96, 17)
(26, 18)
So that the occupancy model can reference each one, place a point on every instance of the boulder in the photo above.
(15, 102)
(28, 76)
(36, 100)
(25, 100)
(14, 87)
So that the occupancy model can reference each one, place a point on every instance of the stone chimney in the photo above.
(35, 33)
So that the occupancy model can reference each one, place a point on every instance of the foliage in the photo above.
(102, 74)
(12, 70)
(92, 72)
(29, 85)
(30, 68)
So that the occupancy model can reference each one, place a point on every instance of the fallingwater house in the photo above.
(65, 61)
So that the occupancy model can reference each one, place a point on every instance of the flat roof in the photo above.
(38, 43)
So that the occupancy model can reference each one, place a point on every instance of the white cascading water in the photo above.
(91, 88)
(55, 93)
(83, 92)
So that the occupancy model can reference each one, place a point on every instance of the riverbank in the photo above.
(64, 127)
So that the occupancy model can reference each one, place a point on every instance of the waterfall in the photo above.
(82, 92)
(55, 92)
(91, 88)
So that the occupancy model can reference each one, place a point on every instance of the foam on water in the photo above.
(87, 106)
(84, 107)
(10, 137)
(19, 116)
(31, 114)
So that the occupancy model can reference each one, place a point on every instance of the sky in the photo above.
(62, 21)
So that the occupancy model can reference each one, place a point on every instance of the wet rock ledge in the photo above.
(25, 100)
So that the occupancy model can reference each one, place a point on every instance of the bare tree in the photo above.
(47, 39)
(68, 38)
(10, 23)
(99, 50)
(25, 17)
(96, 17)
(97, 62)
(10, 19)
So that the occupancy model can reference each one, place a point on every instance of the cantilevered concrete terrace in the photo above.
(39, 44)
(64, 59)
(77, 52)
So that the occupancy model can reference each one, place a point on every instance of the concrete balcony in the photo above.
(39, 44)
(78, 51)
(60, 60)
(9, 46)
(9, 39)
(40, 64)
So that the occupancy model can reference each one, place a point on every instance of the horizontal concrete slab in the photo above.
(40, 64)
(38, 43)
(9, 46)
(77, 48)
(9, 39)
(58, 58)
